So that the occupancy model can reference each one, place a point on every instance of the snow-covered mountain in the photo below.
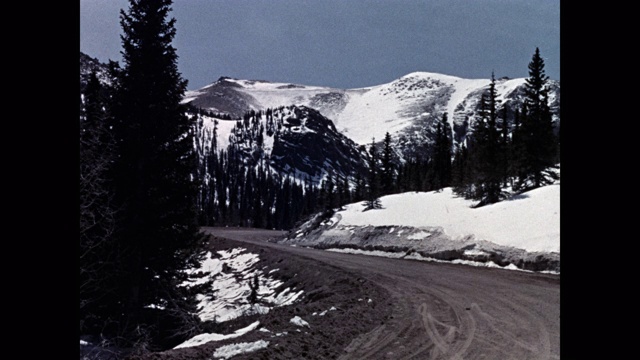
(310, 130)
(292, 140)
(407, 108)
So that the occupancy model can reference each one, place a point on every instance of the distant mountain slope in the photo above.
(407, 108)
(89, 64)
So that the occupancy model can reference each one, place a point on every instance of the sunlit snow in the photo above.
(208, 337)
(365, 113)
(229, 297)
(297, 320)
(529, 221)
(228, 351)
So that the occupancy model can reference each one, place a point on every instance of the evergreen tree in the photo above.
(153, 179)
(359, 190)
(539, 143)
(373, 192)
(505, 153)
(460, 169)
(346, 196)
(97, 212)
(442, 154)
(485, 151)
(330, 193)
(387, 166)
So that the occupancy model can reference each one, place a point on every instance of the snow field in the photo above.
(530, 221)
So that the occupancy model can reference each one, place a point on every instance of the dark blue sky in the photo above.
(343, 43)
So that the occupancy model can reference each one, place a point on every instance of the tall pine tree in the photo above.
(441, 168)
(97, 252)
(539, 143)
(485, 151)
(154, 177)
(372, 200)
(387, 172)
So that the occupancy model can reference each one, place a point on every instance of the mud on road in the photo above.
(418, 310)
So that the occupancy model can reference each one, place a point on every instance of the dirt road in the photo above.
(442, 311)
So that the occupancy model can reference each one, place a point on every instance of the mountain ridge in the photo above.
(404, 107)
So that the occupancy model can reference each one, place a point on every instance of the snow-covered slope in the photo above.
(530, 221)
(402, 107)
(523, 231)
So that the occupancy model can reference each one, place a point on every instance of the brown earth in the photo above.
(418, 310)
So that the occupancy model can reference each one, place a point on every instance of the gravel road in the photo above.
(431, 310)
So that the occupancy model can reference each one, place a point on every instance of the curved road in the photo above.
(445, 311)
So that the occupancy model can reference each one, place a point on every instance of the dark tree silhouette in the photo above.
(154, 180)
(442, 154)
(97, 210)
(387, 173)
(372, 200)
(539, 145)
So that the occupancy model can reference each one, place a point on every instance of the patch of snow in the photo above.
(475, 252)
(154, 306)
(417, 256)
(208, 337)
(388, 254)
(228, 351)
(297, 320)
(419, 235)
(230, 290)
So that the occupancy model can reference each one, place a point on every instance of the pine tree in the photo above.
(460, 169)
(441, 168)
(373, 191)
(485, 149)
(387, 166)
(504, 151)
(153, 177)
(539, 144)
(97, 251)
(330, 201)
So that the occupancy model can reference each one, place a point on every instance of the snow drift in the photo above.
(522, 232)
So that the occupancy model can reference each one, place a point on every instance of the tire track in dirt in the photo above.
(445, 311)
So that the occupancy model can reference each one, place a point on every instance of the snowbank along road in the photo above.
(442, 311)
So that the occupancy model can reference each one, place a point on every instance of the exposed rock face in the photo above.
(310, 143)
(223, 97)
(298, 140)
